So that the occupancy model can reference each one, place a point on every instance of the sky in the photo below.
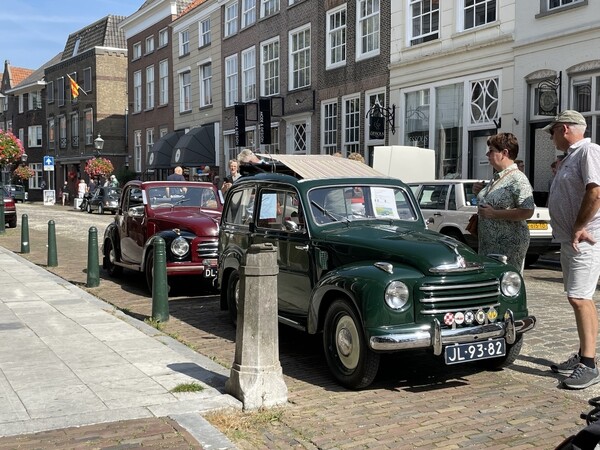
(33, 31)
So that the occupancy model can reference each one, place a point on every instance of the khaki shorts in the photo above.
(581, 270)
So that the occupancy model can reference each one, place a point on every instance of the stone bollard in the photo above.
(256, 377)
(160, 288)
(24, 234)
(52, 254)
(93, 266)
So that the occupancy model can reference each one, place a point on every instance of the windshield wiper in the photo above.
(324, 211)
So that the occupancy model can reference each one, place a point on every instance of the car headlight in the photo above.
(510, 285)
(396, 294)
(180, 247)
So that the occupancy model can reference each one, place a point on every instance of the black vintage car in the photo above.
(104, 199)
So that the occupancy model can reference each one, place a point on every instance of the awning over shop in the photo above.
(160, 156)
(196, 148)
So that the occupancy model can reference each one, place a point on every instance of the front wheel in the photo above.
(12, 223)
(233, 295)
(88, 208)
(100, 209)
(512, 352)
(349, 359)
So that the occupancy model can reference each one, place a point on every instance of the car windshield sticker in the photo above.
(384, 203)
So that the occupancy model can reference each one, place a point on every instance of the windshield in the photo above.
(169, 196)
(360, 202)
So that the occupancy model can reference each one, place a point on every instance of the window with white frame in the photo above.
(163, 37)
(424, 19)
(231, 19)
(585, 94)
(204, 32)
(273, 147)
(299, 43)
(269, 63)
(329, 127)
(300, 133)
(34, 100)
(248, 12)
(162, 131)
(50, 92)
(137, 91)
(62, 131)
(163, 73)
(367, 29)
(87, 79)
(268, 7)
(231, 150)
(351, 124)
(22, 134)
(136, 51)
(249, 74)
(51, 133)
(184, 42)
(149, 87)
(185, 91)
(478, 12)
(205, 75)
(484, 101)
(89, 126)
(555, 5)
(149, 140)
(336, 37)
(137, 150)
(60, 88)
(21, 103)
(75, 130)
(231, 80)
(149, 44)
(36, 180)
(34, 136)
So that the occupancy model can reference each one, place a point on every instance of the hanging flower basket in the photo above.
(23, 173)
(11, 148)
(98, 167)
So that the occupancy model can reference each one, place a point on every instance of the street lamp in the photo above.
(98, 144)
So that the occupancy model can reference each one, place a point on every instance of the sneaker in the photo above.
(568, 366)
(582, 377)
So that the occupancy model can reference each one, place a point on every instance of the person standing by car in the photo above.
(233, 175)
(177, 175)
(574, 205)
(505, 203)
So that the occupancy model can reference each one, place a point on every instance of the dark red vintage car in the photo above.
(10, 209)
(185, 214)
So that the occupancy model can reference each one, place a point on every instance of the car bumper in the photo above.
(434, 337)
(176, 269)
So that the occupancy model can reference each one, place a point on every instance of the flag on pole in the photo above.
(74, 87)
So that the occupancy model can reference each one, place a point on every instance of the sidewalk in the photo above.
(70, 360)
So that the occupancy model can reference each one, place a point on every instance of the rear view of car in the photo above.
(10, 209)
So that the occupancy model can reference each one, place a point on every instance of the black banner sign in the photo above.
(264, 121)
(240, 125)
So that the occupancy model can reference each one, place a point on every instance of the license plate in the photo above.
(210, 273)
(459, 353)
(537, 225)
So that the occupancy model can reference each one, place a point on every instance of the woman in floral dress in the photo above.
(505, 203)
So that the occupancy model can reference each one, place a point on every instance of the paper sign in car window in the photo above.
(384, 203)
(268, 206)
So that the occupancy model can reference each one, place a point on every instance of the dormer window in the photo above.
(76, 47)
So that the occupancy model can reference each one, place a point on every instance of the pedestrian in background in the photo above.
(505, 203)
(355, 156)
(520, 165)
(234, 174)
(574, 205)
(177, 175)
(81, 188)
(113, 181)
(65, 193)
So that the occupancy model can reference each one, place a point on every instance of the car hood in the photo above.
(197, 221)
(422, 249)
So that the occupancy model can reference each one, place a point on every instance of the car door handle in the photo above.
(302, 247)
(437, 214)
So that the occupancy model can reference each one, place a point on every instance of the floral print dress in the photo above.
(509, 189)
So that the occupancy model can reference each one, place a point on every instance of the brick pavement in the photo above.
(415, 402)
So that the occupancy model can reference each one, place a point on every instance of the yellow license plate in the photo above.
(537, 225)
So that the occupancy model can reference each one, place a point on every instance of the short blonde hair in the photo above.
(356, 157)
(246, 156)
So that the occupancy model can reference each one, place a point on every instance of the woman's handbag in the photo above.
(472, 225)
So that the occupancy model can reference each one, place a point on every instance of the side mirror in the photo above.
(136, 212)
(292, 226)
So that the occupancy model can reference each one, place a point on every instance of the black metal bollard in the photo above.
(93, 267)
(52, 254)
(24, 234)
(160, 290)
(2, 218)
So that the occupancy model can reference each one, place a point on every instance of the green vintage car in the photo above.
(357, 264)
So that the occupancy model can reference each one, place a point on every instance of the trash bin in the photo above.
(77, 203)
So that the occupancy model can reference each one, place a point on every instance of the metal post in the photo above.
(52, 254)
(2, 218)
(24, 234)
(160, 289)
(93, 266)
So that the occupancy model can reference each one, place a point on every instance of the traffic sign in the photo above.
(49, 163)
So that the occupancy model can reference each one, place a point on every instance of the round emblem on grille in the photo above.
(492, 314)
(459, 318)
(480, 316)
(469, 317)
(449, 319)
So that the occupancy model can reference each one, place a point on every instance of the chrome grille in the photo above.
(207, 249)
(435, 297)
